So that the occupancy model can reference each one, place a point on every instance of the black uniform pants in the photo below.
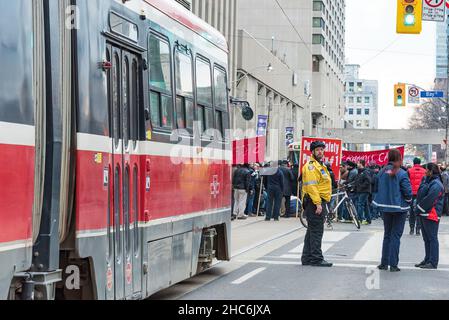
(413, 220)
(312, 254)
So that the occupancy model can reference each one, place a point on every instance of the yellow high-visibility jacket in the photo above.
(316, 182)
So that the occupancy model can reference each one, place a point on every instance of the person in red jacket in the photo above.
(416, 174)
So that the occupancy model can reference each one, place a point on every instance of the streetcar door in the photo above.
(130, 190)
(124, 108)
(116, 223)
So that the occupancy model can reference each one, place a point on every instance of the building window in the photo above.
(351, 111)
(359, 99)
(351, 100)
(367, 123)
(358, 123)
(318, 23)
(366, 112)
(316, 65)
(359, 112)
(318, 6)
(367, 100)
(160, 83)
(351, 87)
(318, 39)
(359, 86)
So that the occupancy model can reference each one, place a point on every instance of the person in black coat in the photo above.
(289, 180)
(275, 187)
(241, 184)
(430, 202)
(363, 190)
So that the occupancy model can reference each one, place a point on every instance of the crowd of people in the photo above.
(393, 193)
(259, 190)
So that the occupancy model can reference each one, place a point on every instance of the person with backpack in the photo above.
(416, 175)
(429, 206)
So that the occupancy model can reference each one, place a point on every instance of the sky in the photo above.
(384, 55)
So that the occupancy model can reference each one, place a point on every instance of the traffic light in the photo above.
(409, 17)
(399, 95)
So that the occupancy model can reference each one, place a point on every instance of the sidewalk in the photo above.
(247, 234)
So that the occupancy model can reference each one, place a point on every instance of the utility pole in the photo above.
(447, 98)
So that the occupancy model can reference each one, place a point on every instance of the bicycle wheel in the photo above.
(352, 212)
(302, 216)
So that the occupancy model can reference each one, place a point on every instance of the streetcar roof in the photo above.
(177, 12)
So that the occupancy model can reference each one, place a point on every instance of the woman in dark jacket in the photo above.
(393, 199)
(430, 202)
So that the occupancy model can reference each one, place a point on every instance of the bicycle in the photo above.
(331, 214)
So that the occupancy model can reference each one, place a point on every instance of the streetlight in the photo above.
(269, 68)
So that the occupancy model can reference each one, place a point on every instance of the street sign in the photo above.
(434, 10)
(432, 94)
(413, 95)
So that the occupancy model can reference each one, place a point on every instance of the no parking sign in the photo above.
(413, 95)
(434, 10)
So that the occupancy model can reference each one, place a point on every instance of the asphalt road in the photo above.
(272, 271)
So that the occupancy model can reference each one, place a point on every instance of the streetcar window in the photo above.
(209, 117)
(221, 102)
(135, 103)
(184, 76)
(219, 122)
(155, 109)
(221, 89)
(123, 27)
(160, 69)
(166, 112)
(126, 104)
(161, 110)
(203, 82)
(115, 99)
(201, 119)
(160, 83)
(184, 89)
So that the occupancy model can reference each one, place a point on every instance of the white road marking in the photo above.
(335, 236)
(248, 276)
(340, 265)
(372, 249)
(298, 251)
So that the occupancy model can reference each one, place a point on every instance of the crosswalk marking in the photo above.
(248, 276)
(367, 249)
(372, 249)
(295, 253)
(341, 265)
(335, 236)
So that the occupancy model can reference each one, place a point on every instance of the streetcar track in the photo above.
(233, 256)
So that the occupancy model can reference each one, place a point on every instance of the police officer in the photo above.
(316, 190)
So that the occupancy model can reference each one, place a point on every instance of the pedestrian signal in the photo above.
(409, 16)
(399, 95)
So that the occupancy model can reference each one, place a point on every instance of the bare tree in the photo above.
(430, 115)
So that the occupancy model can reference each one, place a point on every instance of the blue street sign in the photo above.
(432, 94)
